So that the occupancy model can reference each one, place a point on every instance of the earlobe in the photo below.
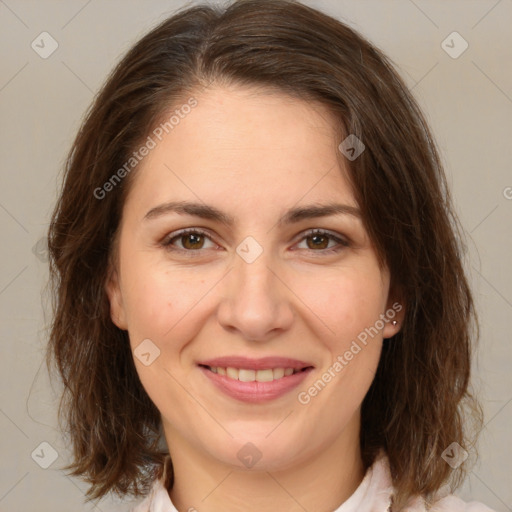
(113, 291)
(395, 314)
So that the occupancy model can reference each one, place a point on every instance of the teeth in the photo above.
(232, 373)
(244, 375)
(280, 372)
(260, 375)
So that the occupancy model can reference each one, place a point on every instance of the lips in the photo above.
(237, 376)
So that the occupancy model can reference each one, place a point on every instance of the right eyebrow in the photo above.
(189, 208)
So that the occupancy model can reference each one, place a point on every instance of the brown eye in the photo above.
(318, 241)
(190, 240)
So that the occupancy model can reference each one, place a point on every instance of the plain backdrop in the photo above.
(467, 100)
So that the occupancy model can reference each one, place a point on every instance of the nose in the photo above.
(256, 303)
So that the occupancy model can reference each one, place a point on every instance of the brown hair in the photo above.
(414, 408)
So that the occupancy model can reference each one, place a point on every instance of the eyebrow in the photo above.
(292, 216)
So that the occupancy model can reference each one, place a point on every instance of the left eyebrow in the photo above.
(292, 216)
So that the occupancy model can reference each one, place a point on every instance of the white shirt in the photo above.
(372, 495)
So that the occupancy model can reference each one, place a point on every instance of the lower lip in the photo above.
(256, 392)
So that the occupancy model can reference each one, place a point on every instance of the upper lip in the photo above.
(255, 364)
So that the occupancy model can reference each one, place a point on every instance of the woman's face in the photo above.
(250, 282)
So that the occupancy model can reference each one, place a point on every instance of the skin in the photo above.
(252, 154)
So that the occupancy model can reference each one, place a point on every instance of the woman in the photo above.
(255, 259)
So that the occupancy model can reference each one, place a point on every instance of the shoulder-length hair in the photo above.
(415, 407)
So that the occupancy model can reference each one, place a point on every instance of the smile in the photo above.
(254, 386)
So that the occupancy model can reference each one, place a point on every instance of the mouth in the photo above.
(255, 380)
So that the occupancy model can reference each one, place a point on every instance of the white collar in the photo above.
(372, 495)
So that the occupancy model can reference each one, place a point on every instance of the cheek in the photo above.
(150, 303)
(162, 306)
(168, 307)
(347, 302)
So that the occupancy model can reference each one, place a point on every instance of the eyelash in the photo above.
(167, 242)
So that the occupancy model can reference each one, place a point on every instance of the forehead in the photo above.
(251, 146)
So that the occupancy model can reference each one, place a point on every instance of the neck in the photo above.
(321, 483)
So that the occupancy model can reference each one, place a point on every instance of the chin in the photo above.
(262, 454)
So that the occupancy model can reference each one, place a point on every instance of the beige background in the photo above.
(468, 101)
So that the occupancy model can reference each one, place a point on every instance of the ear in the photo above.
(395, 313)
(113, 290)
